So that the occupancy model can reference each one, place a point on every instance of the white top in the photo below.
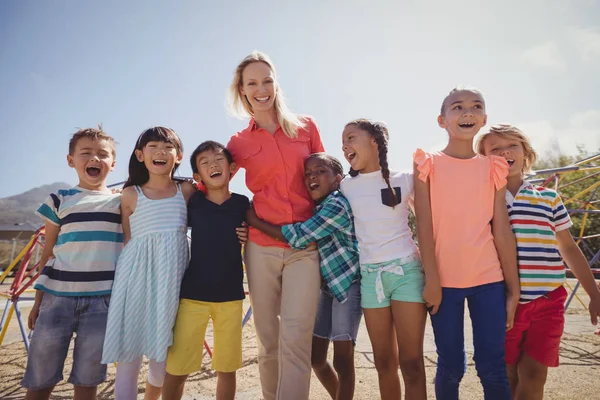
(382, 231)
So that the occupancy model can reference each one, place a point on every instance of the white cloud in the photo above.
(583, 129)
(586, 42)
(545, 55)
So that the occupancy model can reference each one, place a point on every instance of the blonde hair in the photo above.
(510, 132)
(239, 106)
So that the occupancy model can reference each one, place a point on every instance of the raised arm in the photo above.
(432, 293)
(506, 245)
(576, 261)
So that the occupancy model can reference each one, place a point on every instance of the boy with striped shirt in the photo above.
(83, 241)
(541, 225)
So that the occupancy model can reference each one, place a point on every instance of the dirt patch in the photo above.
(578, 377)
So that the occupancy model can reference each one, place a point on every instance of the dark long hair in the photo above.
(138, 173)
(379, 132)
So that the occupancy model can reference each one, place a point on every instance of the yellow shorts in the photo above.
(185, 355)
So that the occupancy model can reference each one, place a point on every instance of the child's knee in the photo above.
(533, 373)
(318, 360)
(343, 363)
(386, 364)
(413, 369)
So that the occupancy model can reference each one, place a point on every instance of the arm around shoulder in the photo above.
(128, 203)
(187, 189)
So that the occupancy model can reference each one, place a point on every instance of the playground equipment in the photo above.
(582, 203)
(24, 278)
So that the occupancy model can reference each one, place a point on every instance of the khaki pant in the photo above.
(284, 291)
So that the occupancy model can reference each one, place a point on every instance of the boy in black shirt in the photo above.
(212, 286)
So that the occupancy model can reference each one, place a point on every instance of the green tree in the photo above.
(572, 184)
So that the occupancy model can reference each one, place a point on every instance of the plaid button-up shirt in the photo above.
(332, 227)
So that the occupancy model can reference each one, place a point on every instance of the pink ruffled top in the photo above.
(462, 206)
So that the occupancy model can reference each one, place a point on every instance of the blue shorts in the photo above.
(59, 318)
(338, 321)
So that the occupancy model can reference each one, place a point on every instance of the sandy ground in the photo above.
(578, 377)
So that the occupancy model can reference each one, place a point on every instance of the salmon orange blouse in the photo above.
(462, 207)
(274, 166)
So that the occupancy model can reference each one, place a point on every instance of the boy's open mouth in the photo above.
(216, 174)
(314, 186)
(466, 125)
(159, 162)
(351, 155)
(92, 171)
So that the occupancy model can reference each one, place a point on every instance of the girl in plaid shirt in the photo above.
(339, 312)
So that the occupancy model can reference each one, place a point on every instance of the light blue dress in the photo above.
(145, 294)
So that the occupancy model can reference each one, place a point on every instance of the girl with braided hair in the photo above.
(467, 247)
(392, 278)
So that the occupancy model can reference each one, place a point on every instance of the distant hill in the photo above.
(21, 207)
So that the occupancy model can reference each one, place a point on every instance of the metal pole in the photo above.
(14, 248)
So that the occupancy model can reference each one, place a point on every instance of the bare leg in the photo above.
(532, 378)
(152, 392)
(385, 350)
(173, 387)
(513, 378)
(43, 394)
(84, 393)
(343, 362)
(226, 385)
(409, 321)
(323, 369)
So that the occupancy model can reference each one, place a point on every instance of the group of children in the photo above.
(485, 235)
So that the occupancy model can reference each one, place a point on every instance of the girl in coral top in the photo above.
(284, 283)
(467, 248)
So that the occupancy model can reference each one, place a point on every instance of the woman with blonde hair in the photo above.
(284, 283)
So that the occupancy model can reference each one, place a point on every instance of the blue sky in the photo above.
(131, 65)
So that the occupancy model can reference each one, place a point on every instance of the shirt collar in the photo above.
(252, 125)
(510, 198)
(334, 194)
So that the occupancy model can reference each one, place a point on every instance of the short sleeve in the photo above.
(233, 148)
(424, 163)
(498, 171)
(562, 220)
(316, 145)
(244, 203)
(49, 209)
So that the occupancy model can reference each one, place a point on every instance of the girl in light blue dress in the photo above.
(145, 293)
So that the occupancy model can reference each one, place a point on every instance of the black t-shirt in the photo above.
(215, 272)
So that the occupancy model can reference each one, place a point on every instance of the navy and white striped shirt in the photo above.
(88, 245)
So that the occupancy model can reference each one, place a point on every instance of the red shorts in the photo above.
(537, 329)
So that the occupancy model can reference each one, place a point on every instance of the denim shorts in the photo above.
(406, 284)
(59, 318)
(338, 321)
